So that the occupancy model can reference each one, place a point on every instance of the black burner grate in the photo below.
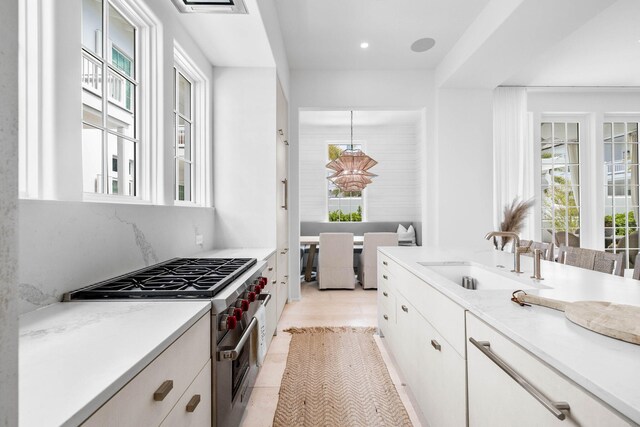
(176, 278)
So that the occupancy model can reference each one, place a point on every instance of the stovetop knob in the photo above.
(243, 304)
(235, 312)
(228, 322)
(263, 281)
(250, 296)
(255, 288)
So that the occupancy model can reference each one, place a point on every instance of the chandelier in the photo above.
(351, 168)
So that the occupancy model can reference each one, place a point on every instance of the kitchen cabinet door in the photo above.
(405, 345)
(194, 407)
(442, 391)
(496, 399)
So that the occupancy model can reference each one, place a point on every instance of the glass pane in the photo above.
(184, 139)
(632, 153)
(92, 115)
(608, 153)
(572, 175)
(122, 36)
(632, 132)
(560, 153)
(545, 132)
(546, 153)
(573, 153)
(618, 132)
(572, 132)
(184, 96)
(92, 26)
(619, 152)
(91, 159)
(91, 75)
(607, 132)
(559, 132)
(183, 173)
(121, 117)
(122, 156)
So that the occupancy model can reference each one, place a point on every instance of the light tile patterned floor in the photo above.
(317, 308)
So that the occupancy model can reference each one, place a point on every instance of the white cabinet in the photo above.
(194, 407)
(497, 399)
(282, 208)
(271, 288)
(434, 370)
(152, 394)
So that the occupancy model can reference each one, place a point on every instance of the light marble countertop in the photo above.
(606, 367)
(75, 355)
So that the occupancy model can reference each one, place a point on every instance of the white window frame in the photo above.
(361, 144)
(200, 130)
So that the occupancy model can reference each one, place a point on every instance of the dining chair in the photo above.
(567, 239)
(368, 270)
(335, 261)
(546, 248)
(636, 268)
(604, 262)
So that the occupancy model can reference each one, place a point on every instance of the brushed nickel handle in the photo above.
(193, 403)
(385, 317)
(273, 282)
(405, 308)
(555, 408)
(384, 276)
(286, 142)
(235, 352)
(285, 182)
(281, 132)
(163, 391)
(384, 263)
(436, 345)
(270, 269)
(385, 294)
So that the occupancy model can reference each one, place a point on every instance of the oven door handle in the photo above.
(233, 354)
(266, 299)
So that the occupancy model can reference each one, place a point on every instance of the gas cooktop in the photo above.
(176, 278)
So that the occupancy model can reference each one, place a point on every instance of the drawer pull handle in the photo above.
(385, 294)
(385, 317)
(436, 345)
(384, 263)
(193, 403)
(273, 282)
(555, 408)
(405, 308)
(163, 390)
(384, 276)
(270, 268)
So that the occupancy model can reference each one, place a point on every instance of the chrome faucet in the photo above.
(516, 249)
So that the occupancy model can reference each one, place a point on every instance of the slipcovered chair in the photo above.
(335, 261)
(368, 270)
(547, 249)
(604, 262)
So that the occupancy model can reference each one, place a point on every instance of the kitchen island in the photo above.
(602, 367)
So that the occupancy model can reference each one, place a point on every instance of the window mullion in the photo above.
(105, 100)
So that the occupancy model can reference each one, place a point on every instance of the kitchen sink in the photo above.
(484, 279)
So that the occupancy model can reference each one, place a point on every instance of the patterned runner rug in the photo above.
(337, 377)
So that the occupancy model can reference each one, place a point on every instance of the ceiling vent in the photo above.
(219, 6)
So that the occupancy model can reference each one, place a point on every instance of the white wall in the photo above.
(245, 156)
(392, 196)
(357, 89)
(8, 214)
(69, 243)
(465, 167)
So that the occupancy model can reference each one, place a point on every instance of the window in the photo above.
(621, 188)
(109, 105)
(342, 207)
(183, 122)
(560, 164)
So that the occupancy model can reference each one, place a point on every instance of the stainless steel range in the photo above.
(234, 286)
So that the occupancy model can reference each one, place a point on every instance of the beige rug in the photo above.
(337, 377)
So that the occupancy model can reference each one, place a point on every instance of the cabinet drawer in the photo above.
(134, 404)
(386, 309)
(404, 345)
(270, 270)
(194, 407)
(497, 399)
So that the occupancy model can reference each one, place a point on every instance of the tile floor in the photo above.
(317, 308)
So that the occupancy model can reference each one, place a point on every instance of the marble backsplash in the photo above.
(67, 245)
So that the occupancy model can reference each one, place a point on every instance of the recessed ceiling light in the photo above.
(364, 45)
(423, 45)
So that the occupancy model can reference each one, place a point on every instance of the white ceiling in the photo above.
(326, 34)
(605, 51)
(360, 118)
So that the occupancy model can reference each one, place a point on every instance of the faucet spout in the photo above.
(516, 246)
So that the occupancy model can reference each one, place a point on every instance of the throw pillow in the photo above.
(406, 236)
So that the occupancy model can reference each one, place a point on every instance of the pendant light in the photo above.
(351, 168)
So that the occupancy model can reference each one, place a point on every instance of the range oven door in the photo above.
(236, 371)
